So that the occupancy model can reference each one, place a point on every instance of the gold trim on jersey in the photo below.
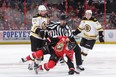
(34, 28)
(90, 36)
(100, 29)
(88, 20)
(35, 35)
(80, 28)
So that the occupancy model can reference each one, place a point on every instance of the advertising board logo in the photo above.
(16, 35)
(110, 35)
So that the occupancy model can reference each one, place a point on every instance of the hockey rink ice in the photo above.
(101, 62)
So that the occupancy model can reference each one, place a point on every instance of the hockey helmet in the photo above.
(42, 8)
(88, 11)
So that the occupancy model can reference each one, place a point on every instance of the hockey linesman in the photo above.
(37, 37)
(90, 29)
(63, 29)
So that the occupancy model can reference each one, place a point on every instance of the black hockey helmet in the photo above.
(63, 17)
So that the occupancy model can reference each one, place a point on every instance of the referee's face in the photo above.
(62, 22)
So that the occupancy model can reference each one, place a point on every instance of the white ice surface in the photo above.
(101, 62)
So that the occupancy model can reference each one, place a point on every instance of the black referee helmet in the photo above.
(63, 17)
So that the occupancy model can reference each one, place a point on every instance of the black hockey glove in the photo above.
(71, 45)
(101, 37)
(46, 35)
(41, 33)
(76, 32)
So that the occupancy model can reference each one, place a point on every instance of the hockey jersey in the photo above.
(38, 23)
(90, 28)
(61, 48)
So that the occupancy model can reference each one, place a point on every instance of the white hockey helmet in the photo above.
(88, 11)
(42, 8)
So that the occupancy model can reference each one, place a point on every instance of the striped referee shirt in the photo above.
(55, 29)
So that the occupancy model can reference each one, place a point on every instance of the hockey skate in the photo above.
(72, 71)
(30, 67)
(80, 68)
(37, 68)
(23, 60)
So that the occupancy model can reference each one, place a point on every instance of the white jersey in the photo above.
(90, 28)
(38, 22)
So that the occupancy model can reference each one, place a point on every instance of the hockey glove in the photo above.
(101, 39)
(101, 36)
(71, 45)
(46, 35)
(76, 32)
(41, 33)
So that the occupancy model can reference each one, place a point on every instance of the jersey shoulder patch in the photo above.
(93, 19)
(37, 15)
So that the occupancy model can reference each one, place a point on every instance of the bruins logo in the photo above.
(87, 28)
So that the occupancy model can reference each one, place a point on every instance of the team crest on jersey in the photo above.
(87, 28)
(60, 46)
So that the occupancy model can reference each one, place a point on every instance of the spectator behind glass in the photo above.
(112, 19)
(1, 2)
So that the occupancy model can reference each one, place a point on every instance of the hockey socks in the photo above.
(33, 56)
(49, 65)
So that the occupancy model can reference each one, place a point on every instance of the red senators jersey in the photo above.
(61, 48)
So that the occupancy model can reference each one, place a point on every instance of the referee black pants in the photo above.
(77, 51)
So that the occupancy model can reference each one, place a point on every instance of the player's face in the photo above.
(88, 15)
(43, 13)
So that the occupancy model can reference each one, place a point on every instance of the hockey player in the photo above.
(37, 39)
(90, 29)
(60, 46)
(63, 29)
